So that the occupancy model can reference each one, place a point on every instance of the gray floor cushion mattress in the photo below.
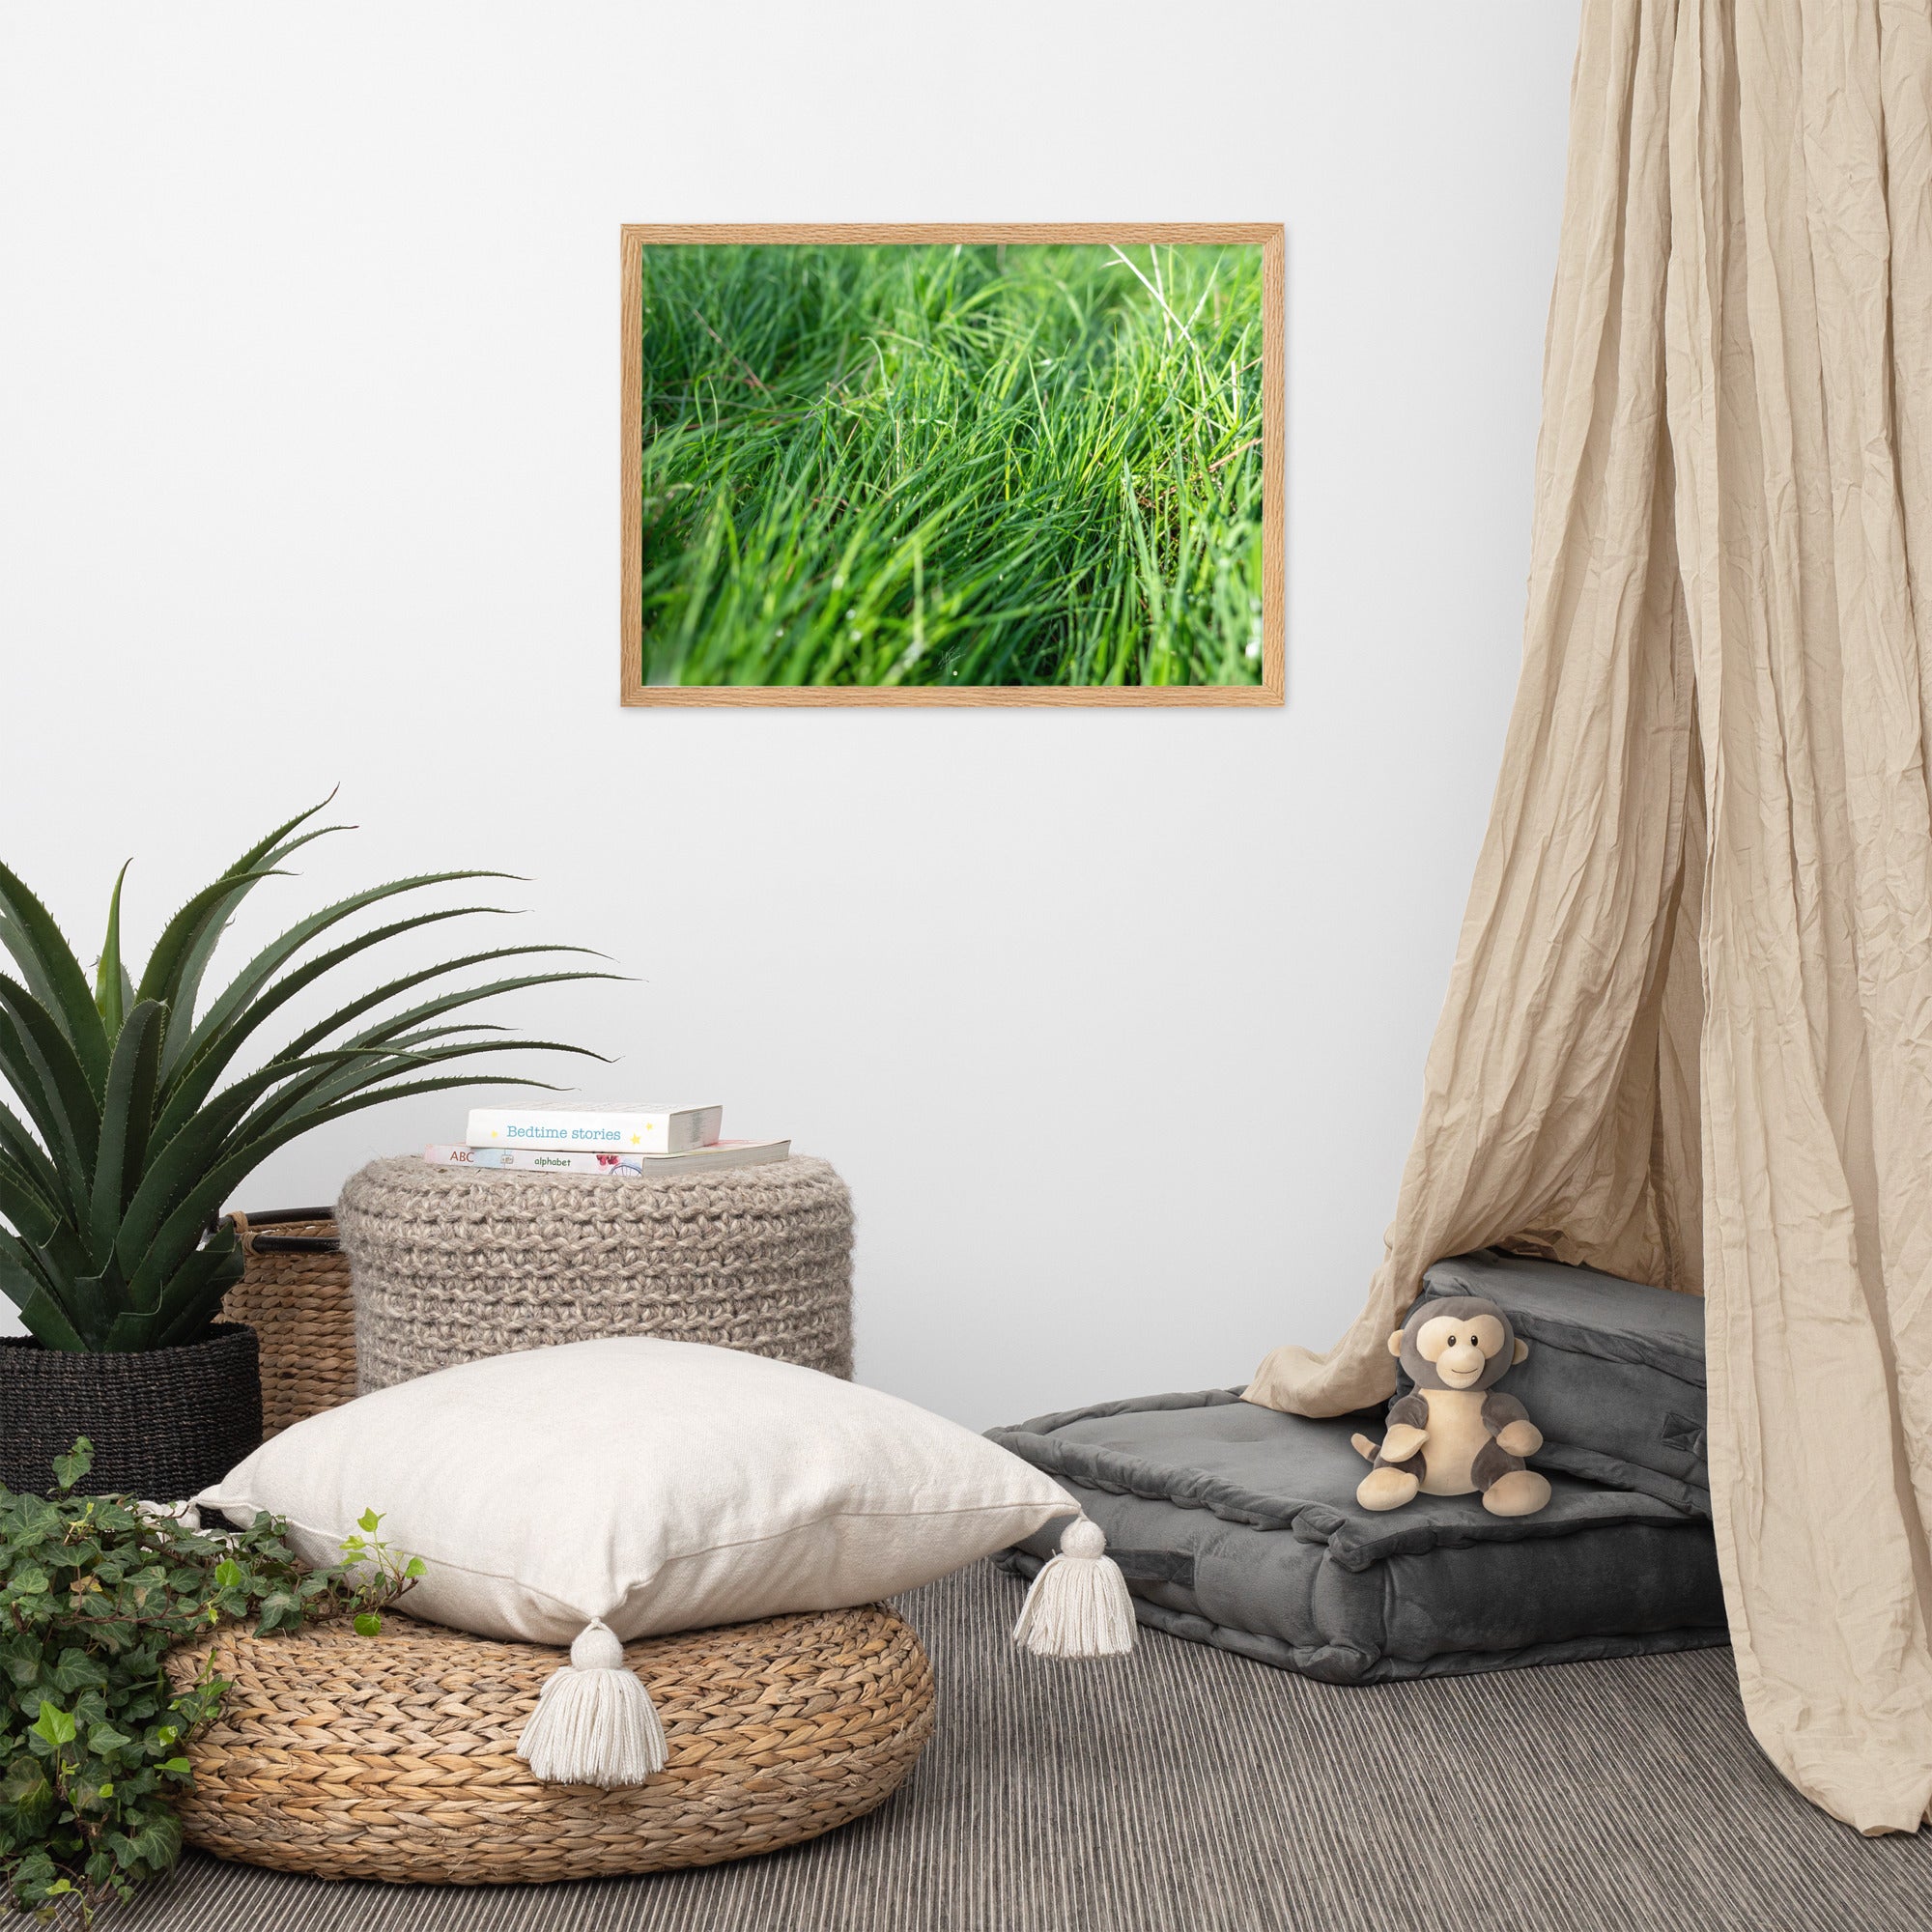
(1615, 1374)
(1237, 1526)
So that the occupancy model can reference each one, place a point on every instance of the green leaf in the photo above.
(53, 1726)
(228, 1574)
(69, 1469)
(414, 1568)
(176, 1767)
(110, 976)
(369, 1522)
(368, 1624)
(154, 1848)
(101, 1739)
(280, 1609)
(74, 1671)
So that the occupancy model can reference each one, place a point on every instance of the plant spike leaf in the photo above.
(19, 1145)
(110, 977)
(199, 943)
(443, 1003)
(310, 1098)
(191, 1297)
(162, 978)
(25, 1284)
(221, 1181)
(73, 1122)
(47, 964)
(31, 1267)
(197, 1143)
(20, 1069)
(36, 1218)
(273, 957)
(219, 1036)
(44, 1319)
(126, 1113)
(322, 1088)
(94, 1302)
(201, 948)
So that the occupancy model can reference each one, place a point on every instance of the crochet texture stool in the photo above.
(453, 1264)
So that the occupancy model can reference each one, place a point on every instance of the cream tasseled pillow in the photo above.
(605, 1490)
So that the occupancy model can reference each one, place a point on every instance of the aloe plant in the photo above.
(123, 1142)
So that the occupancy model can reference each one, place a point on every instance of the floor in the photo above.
(1184, 1790)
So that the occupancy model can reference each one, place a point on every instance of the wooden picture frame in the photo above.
(1268, 691)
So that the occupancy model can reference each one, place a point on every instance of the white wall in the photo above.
(1114, 1020)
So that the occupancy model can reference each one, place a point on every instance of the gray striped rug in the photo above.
(1189, 1791)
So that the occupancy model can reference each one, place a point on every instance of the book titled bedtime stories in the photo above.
(630, 1129)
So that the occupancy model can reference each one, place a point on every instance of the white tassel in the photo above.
(594, 1722)
(1079, 1605)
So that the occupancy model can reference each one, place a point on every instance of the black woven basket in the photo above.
(164, 1423)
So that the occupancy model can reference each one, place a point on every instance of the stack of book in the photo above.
(603, 1140)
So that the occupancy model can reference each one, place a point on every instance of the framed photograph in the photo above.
(990, 465)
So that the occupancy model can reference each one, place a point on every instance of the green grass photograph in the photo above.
(933, 466)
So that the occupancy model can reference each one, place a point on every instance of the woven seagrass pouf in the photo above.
(394, 1757)
(453, 1264)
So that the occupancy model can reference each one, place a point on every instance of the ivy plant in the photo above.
(95, 1591)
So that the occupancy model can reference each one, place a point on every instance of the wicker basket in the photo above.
(394, 1757)
(296, 1296)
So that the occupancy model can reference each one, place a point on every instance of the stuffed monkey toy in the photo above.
(1455, 1433)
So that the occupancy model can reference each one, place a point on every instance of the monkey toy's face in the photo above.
(1458, 1342)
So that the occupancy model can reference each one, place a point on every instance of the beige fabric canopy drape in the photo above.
(1689, 1033)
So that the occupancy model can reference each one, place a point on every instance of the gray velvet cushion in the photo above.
(1239, 1526)
(1615, 1374)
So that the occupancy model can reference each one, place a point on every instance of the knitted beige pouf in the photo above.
(453, 1264)
(394, 1757)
